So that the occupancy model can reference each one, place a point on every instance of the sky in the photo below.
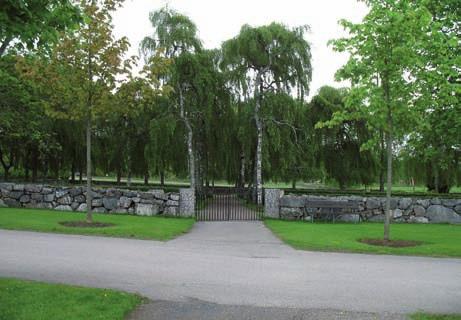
(218, 21)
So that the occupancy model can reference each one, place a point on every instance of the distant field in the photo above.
(282, 185)
(173, 183)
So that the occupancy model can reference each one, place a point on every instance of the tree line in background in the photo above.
(237, 113)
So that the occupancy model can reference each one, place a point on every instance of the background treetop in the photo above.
(35, 23)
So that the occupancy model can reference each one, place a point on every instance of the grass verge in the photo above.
(30, 300)
(428, 316)
(438, 240)
(124, 226)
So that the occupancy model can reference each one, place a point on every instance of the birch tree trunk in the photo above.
(190, 146)
(387, 218)
(242, 170)
(89, 214)
(259, 141)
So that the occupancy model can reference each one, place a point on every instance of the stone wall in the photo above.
(117, 201)
(404, 209)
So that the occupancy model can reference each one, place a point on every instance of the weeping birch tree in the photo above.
(176, 35)
(268, 58)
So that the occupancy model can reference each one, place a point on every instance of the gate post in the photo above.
(272, 202)
(186, 202)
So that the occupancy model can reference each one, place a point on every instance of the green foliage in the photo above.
(35, 23)
(235, 115)
(340, 145)
(30, 300)
(282, 54)
(173, 32)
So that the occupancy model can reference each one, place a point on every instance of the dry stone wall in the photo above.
(404, 209)
(116, 201)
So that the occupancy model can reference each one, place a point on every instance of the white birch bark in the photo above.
(190, 146)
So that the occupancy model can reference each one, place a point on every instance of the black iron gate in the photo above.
(227, 203)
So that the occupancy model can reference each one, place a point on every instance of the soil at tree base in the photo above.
(391, 243)
(85, 224)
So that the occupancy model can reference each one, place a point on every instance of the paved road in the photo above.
(235, 263)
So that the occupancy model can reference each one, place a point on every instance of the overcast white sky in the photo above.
(218, 21)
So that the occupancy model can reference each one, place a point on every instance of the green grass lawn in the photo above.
(439, 240)
(126, 226)
(427, 316)
(30, 300)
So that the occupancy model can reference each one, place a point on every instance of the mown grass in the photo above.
(439, 240)
(125, 226)
(30, 300)
(428, 316)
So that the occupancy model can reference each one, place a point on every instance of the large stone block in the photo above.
(15, 194)
(187, 202)
(76, 191)
(439, 213)
(393, 203)
(75, 205)
(7, 186)
(423, 202)
(96, 202)
(99, 210)
(18, 187)
(148, 201)
(173, 196)
(171, 211)
(436, 201)
(404, 203)
(63, 208)
(114, 193)
(458, 209)
(373, 203)
(129, 194)
(143, 209)
(33, 188)
(47, 190)
(397, 213)
(24, 198)
(43, 205)
(291, 213)
(292, 201)
(2, 204)
(82, 207)
(172, 203)
(146, 196)
(124, 202)
(272, 202)
(37, 197)
(414, 219)
(61, 192)
(48, 197)
(110, 203)
(159, 194)
(80, 198)
(12, 203)
(65, 200)
(450, 202)
(419, 210)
